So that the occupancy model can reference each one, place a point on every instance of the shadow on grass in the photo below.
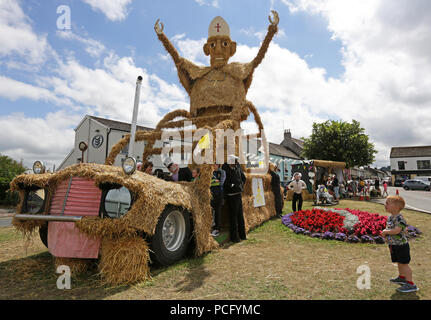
(34, 278)
(405, 296)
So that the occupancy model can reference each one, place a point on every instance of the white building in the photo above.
(410, 162)
(101, 135)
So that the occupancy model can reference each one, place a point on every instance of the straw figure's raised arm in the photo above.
(182, 73)
(272, 30)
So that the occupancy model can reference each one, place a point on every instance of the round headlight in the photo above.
(38, 167)
(129, 165)
(35, 201)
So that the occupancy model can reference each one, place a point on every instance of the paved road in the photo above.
(5, 222)
(416, 200)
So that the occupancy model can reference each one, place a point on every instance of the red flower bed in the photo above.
(316, 220)
(369, 223)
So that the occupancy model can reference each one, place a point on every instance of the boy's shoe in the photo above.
(398, 280)
(407, 287)
(215, 233)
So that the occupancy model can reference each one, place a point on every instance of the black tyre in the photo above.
(427, 189)
(406, 188)
(171, 239)
(43, 234)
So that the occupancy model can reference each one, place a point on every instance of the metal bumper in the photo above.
(42, 217)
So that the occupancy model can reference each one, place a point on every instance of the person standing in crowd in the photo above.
(361, 186)
(336, 187)
(233, 187)
(354, 187)
(385, 188)
(148, 168)
(179, 174)
(275, 186)
(217, 180)
(377, 185)
(329, 185)
(297, 185)
(196, 174)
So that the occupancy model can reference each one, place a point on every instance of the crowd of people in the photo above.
(360, 187)
(332, 190)
(227, 185)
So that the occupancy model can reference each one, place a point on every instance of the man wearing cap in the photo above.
(297, 185)
(233, 187)
(221, 87)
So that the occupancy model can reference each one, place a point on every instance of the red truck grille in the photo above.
(77, 197)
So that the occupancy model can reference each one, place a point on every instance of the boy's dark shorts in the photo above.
(400, 253)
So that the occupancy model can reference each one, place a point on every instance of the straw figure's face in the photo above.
(220, 49)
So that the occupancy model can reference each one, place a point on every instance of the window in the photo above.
(424, 164)
(401, 165)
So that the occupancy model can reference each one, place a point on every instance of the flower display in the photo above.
(317, 220)
(341, 224)
(369, 223)
(340, 236)
(353, 238)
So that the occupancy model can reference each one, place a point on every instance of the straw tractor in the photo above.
(126, 218)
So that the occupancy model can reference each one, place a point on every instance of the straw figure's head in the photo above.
(219, 46)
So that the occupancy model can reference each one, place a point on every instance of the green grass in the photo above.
(273, 263)
(8, 234)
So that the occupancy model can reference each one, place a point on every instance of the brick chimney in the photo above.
(287, 135)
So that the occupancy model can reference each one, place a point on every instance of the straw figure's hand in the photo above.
(158, 28)
(276, 19)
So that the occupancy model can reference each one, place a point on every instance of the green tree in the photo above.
(9, 169)
(339, 141)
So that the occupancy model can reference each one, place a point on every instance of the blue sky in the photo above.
(331, 59)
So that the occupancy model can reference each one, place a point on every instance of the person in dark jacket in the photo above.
(179, 174)
(233, 187)
(275, 186)
(217, 181)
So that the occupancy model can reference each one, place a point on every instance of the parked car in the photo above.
(398, 183)
(414, 184)
(424, 178)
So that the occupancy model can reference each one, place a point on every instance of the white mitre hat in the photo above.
(218, 27)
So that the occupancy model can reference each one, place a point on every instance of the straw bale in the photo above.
(202, 212)
(105, 228)
(27, 228)
(124, 260)
(254, 217)
(76, 265)
(266, 179)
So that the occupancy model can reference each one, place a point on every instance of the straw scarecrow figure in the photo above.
(218, 92)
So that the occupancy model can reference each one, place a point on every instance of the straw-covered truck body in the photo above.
(93, 211)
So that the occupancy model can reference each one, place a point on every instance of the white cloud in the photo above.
(93, 47)
(12, 89)
(48, 139)
(386, 49)
(17, 37)
(191, 49)
(114, 10)
(109, 90)
(211, 3)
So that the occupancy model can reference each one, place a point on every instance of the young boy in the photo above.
(398, 244)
